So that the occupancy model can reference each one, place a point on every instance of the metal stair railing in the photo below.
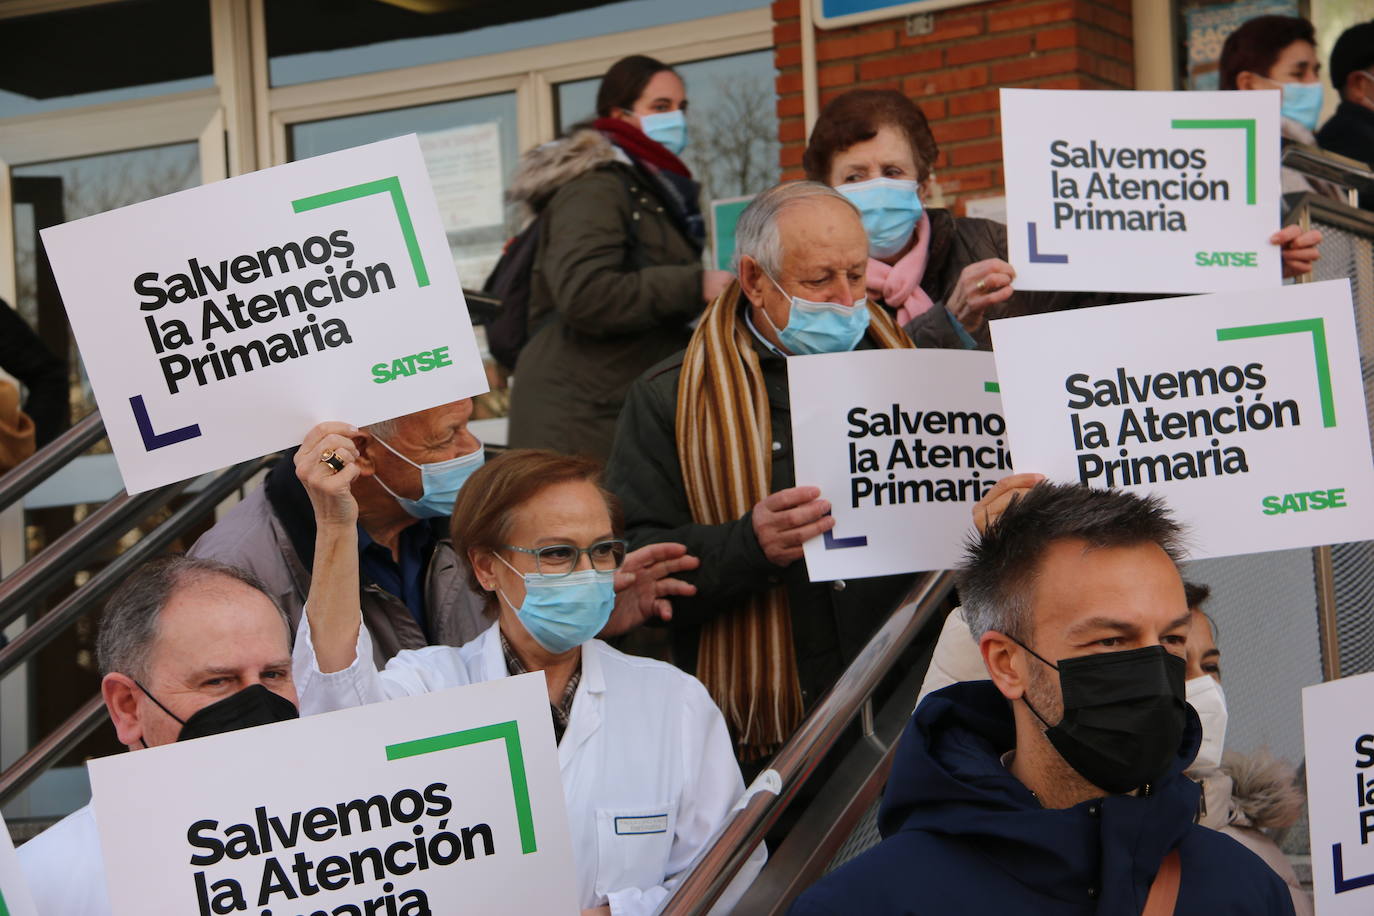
(99, 586)
(51, 458)
(797, 761)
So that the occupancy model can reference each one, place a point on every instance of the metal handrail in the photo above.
(66, 554)
(52, 748)
(51, 624)
(51, 458)
(798, 759)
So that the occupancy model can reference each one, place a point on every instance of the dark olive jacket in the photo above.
(831, 621)
(616, 280)
(957, 242)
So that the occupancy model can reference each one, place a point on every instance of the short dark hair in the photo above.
(1002, 564)
(1196, 594)
(482, 515)
(1354, 50)
(129, 625)
(1257, 44)
(857, 116)
(624, 83)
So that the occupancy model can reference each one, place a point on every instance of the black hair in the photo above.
(624, 83)
(1000, 566)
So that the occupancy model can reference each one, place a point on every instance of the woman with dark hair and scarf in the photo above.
(617, 273)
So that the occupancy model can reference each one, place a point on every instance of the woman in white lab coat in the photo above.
(647, 765)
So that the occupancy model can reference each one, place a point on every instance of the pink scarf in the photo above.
(900, 284)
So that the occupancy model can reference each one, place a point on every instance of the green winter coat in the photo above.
(616, 281)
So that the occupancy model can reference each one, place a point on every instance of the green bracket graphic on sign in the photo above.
(724, 216)
(1317, 328)
(501, 731)
(992, 387)
(1245, 124)
(4, 910)
(390, 186)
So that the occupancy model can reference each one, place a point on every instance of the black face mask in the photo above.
(255, 705)
(1124, 715)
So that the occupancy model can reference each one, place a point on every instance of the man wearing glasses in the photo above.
(412, 584)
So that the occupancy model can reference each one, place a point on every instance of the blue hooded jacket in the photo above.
(964, 836)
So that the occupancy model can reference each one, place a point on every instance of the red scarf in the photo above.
(639, 147)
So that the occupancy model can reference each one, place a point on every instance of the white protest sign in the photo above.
(221, 323)
(902, 449)
(1167, 192)
(1339, 741)
(14, 890)
(1245, 411)
(449, 802)
(465, 167)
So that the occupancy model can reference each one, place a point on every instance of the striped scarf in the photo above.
(724, 445)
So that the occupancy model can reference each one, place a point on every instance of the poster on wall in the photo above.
(1245, 411)
(1207, 28)
(465, 169)
(219, 324)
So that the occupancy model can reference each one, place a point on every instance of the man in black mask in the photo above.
(187, 648)
(1058, 786)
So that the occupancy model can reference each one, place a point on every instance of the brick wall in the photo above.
(954, 72)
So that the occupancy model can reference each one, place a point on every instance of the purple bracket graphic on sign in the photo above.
(833, 543)
(152, 440)
(1343, 883)
(1035, 255)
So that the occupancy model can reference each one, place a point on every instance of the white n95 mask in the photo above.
(1206, 697)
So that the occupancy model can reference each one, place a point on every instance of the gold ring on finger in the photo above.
(982, 286)
(336, 464)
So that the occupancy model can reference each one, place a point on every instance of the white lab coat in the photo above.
(64, 868)
(647, 765)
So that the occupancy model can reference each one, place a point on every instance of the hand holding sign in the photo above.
(1009, 489)
(787, 519)
(1299, 249)
(331, 491)
(981, 284)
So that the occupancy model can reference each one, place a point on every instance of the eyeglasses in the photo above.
(562, 559)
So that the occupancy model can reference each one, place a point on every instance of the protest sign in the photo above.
(902, 450)
(1340, 794)
(1164, 192)
(14, 891)
(221, 323)
(448, 802)
(1245, 411)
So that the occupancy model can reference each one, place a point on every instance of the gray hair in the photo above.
(384, 429)
(756, 233)
(999, 573)
(129, 626)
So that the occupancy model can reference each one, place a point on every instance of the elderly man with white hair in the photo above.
(703, 457)
(412, 585)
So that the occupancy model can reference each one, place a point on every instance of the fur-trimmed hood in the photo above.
(1251, 790)
(547, 167)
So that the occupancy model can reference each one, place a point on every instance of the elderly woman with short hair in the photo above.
(943, 276)
(639, 741)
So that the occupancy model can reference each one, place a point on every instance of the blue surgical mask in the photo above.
(821, 327)
(668, 128)
(441, 480)
(1302, 102)
(890, 208)
(563, 612)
